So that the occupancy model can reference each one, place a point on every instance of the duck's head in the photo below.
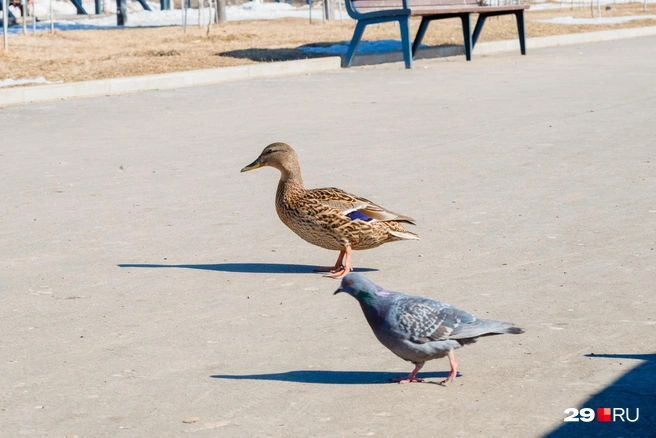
(278, 155)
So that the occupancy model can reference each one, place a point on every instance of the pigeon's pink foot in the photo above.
(412, 377)
(407, 379)
(344, 262)
(454, 369)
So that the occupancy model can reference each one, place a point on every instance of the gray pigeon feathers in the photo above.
(418, 329)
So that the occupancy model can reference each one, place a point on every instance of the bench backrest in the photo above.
(381, 5)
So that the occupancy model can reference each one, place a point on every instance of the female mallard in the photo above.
(330, 218)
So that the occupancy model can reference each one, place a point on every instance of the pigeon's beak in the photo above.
(254, 165)
(338, 291)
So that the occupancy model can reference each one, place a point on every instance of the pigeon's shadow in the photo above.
(329, 377)
(250, 268)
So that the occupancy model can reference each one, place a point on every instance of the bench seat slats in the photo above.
(428, 9)
(398, 4)
(451, 10)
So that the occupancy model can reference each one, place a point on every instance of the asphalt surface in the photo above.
(148, 288)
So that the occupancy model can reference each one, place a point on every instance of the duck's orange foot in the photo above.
(342, 266)
(339, 273)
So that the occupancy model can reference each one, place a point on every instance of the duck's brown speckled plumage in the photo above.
(319, 216)
(316, 216)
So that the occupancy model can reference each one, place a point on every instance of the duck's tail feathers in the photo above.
(405, 235)
(404, 219)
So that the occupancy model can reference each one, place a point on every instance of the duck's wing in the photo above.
(355, 207)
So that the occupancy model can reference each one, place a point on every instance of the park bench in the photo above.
(380, 11)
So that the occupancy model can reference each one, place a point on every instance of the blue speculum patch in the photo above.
(358, 215)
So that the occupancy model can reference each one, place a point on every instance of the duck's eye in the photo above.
(270, 151)
(349, 282)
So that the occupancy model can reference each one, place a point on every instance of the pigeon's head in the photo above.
(358, 286)
(278, 155)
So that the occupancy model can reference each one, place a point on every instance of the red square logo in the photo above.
(603, 415)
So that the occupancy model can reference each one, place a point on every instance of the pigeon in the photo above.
(418, 329)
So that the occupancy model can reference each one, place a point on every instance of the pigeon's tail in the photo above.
(485, 327)
(514, 331)
(493, 327)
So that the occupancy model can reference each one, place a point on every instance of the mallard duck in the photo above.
(330, 218)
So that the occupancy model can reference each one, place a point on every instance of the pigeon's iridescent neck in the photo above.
(373, 307)
(373, 314)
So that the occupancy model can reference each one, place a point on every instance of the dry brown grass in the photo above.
(95, 54)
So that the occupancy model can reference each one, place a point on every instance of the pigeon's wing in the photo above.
(354, 206)
(423, 320)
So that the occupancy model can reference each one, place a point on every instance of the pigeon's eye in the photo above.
(349, 282)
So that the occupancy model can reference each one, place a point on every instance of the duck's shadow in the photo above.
(330, 377)
(251, 268)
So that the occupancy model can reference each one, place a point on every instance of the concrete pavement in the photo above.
(148, 288)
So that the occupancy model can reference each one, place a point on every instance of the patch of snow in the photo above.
(597, 20)
(10, 82)
(138, 17)
(578, 4)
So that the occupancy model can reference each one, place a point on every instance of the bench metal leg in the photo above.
(145, 5)
(355, 41)
(466, 31)
(425, 21)
(404, 24)
(79, 7)
(519, 15)
(466, 35)
(406, 42)
(477, 30)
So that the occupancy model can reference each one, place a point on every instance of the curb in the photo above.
(509, 45)
(427, 53)
(105, 87)
(563, 40)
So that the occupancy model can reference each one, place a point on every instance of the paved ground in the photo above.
(145, 282)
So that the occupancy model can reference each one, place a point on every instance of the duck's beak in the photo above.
(254, 165)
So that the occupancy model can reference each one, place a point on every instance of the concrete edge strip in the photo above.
(567, 39)
(105, 87)
(427, 53)
(509, 45)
